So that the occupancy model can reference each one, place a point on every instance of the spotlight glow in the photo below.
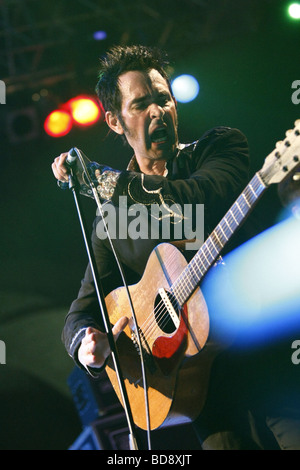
(261, 301)
(99, 35)
(58, 123)
(294, 11)
(185, 88)
(84, 110)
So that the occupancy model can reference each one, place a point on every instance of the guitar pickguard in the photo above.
(168, 350)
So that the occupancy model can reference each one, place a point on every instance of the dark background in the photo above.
(245, 55)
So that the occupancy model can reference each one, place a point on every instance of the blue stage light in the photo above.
(185, 88)
(100, 35)
(256, 295)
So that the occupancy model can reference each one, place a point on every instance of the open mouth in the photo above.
(159, 135)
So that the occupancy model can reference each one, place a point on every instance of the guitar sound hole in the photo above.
(162, 315)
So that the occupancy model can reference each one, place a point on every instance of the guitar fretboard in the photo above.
(194, 272)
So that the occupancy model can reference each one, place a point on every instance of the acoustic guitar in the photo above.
(172, 314)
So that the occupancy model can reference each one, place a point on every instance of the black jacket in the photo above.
(212, 171)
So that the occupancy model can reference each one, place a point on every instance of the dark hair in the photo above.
(123, 59)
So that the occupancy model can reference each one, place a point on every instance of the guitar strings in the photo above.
(160, 316)
(159, 313)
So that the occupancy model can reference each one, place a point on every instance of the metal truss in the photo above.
(44, 43)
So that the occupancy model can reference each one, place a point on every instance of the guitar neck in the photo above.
(194, 272)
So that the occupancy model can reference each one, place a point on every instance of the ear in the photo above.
(113, 122)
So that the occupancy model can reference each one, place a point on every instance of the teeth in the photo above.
(162, 139)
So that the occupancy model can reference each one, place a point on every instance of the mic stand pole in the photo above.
(132, 439)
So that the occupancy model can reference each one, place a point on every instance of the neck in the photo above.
(149, 167)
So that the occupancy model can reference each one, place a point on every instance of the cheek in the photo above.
(138, 133)
(172, 122)
(144, 136)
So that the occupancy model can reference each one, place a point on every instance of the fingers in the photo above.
(92, 338)
(90, 332)
(119, 326)
(93, 335)
(94, 348)
(59, 168)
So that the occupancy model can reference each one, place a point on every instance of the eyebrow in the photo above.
(140, 99)
(144, 98)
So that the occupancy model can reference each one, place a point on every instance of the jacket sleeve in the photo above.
(84, 312)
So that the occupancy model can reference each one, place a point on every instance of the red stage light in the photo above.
(84, 110)
(58, 123)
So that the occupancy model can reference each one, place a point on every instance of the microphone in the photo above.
(73, 162)
(71, 158)
(80, 170)
(78, 164)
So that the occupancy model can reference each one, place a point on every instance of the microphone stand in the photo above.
(74, 187)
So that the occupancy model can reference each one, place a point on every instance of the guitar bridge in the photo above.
(170, 310)
(147, 354)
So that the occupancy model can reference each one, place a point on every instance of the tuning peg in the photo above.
(289, 131)
(297, 122)
(279, 143)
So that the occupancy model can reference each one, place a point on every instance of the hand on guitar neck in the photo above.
(94, 348)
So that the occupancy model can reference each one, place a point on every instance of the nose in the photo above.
(156, 111)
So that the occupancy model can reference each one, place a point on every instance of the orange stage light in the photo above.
(84, 110)
(58, 123)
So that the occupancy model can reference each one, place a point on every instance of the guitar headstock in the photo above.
(284, 158)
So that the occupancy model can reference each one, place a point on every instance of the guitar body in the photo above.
(171, 352)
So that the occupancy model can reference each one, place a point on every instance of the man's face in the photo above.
(149, 115)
